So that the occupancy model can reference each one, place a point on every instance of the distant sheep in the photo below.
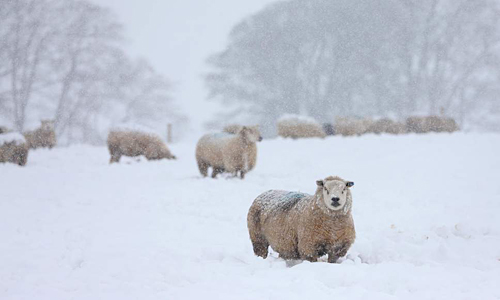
(386, 125)
(135, 143)
(295, 126)
(441, 124)
(234, 128)
(45, 136)
(431, 124)
(303, 226)
(13, 148)
(4, 130)
(252, 148)
(346, 126)
(225, 152)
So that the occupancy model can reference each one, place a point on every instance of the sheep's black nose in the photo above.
(335, 199)
(260, 138)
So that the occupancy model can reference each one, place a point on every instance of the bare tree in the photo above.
(64, 59)
(327, 58)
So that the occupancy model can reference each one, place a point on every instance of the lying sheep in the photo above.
(226, 152)
(303, 226)
(13, 148)
(135, 143)
(416, 124)
(295, 126)
(430, 124)
(45, 136)
(441, 124)
(252, 148)
(346, 126)
(386, 125)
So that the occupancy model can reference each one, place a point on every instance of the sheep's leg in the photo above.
(203, 167)
(114, 158)
(216, 170)
(307, 249)
(338, 252)
(260, 247)
(242, 174)
(310, 258)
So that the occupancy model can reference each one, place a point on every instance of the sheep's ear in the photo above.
(349, 184)
(319, 182)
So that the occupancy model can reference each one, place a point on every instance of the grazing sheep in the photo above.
(13, 148)
(386, 125)
(350, 126)
(252, 148)
(303, 226)
(226, 152)
(45, 136)
(295, 126)
(135, 143)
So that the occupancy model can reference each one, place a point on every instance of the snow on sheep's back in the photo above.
(425, 209)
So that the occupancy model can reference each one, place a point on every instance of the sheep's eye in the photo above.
(327, 190)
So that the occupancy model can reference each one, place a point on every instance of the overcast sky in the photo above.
(176, 36)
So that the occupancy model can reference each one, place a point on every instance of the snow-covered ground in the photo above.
(426, 210)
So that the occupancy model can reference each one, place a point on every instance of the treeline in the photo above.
(363, 58)
(64, 60)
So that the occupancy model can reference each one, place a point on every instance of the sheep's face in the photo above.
(335, 193)
(251, 134)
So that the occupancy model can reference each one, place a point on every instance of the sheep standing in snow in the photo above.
(135, 143)
(252, 148)
(303, 226)
(295, 126)
(226, 152)
(45, 136)
(13, 148)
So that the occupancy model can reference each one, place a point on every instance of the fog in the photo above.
(177, 37)
(203, 65)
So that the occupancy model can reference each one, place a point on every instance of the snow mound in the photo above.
(297, 119)
(10, 137)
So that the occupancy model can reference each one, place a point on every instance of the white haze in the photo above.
(177, 36)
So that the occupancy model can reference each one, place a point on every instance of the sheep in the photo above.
(441, 124)
(13, 148)
(431, 124)
(346, 126)
(226, 152)
(386, 125)
(135, 143)
(303, 226)
(234, 128)
(295, 126)
(4, 129)
(416, 124)
(44, 136)
(252, 148)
